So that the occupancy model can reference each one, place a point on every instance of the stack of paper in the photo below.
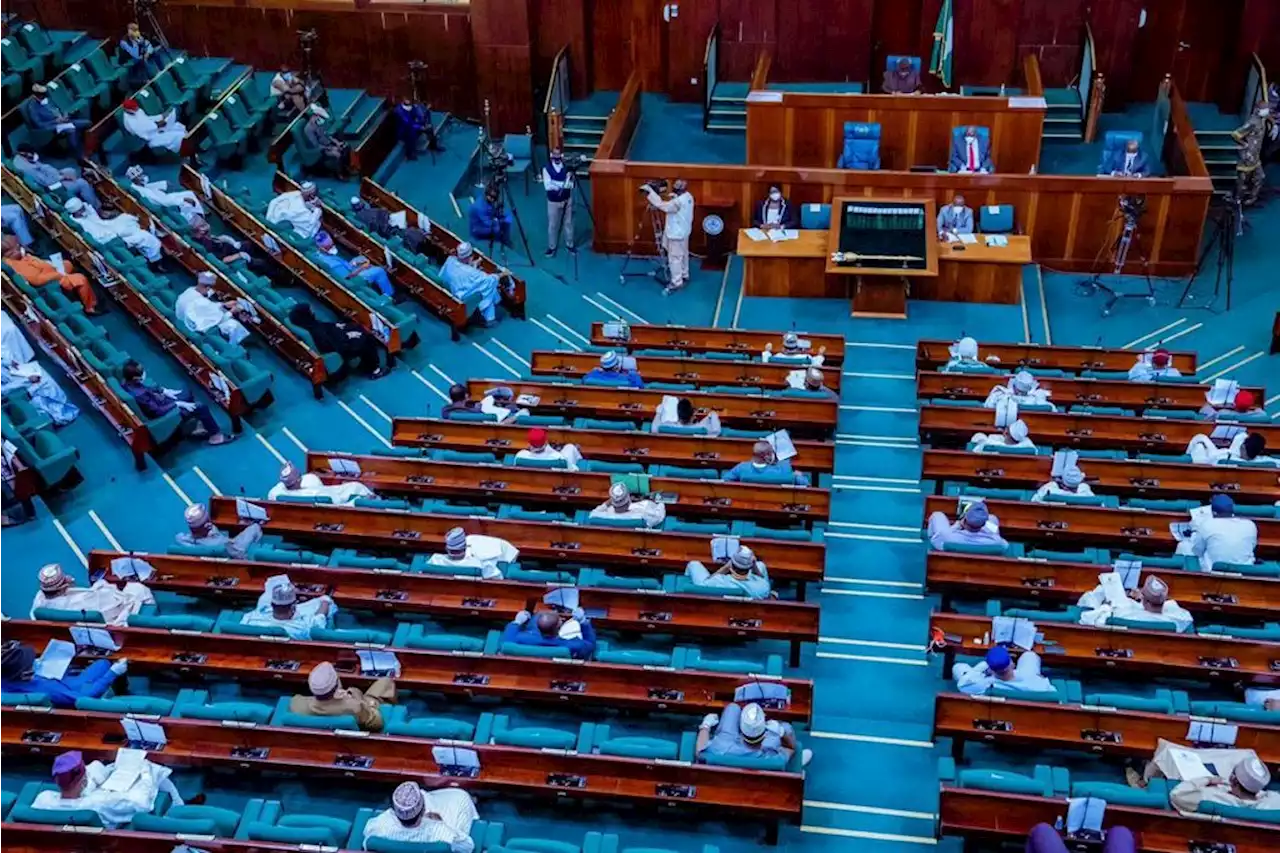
(1207, 731)
(1013, 629)
(131, 568)
(755, 235)
(86, 637)
(565, 598)
(783, 447)
(378, 662)
(55, 660)
(1129, 571)
(344, 466)
(1085, 813)
(724, 547)
(246, 511)
(1223, 392)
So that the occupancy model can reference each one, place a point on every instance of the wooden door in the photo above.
(1187, 39)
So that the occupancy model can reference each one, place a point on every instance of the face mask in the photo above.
(332, 250)
(143, 377)
(957, 207)
(33, 157)
(971, 139)
(287, 75)
(775, 196)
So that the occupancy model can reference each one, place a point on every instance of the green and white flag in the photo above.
(943, 42)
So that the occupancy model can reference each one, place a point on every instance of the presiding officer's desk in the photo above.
(973, 272)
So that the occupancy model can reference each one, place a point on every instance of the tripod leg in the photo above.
(515, 214)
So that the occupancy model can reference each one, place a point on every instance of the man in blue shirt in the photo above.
(612, 372)
(412, 121)
(764, 465)
(358, 267)
(40, 114)
(484, 221)
(745, 731)
(17, 675)
(549, 629)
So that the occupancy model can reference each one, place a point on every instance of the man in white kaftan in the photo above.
(278, 606)
(1109, 600)
(539, 449)
(620, 505)
(1219, 536)
(115, 605)
(462, 275)
(122, 227)
(1022, 389)
(200, 312)
(1230, 777)
(185, 202)
(300, 209)
(425, 817)
(116, 792)
(163, 132)
(998, 673)
(486, 553)
(294, 483)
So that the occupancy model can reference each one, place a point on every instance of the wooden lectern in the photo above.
(882, 242)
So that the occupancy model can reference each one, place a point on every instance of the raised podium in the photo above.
(884, 243)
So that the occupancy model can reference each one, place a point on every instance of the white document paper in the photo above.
(378, 661)
(55, 660)
(143, 731)
(424, 223)
(967, 239)
(528, 401)
(387, 258)
(755, 235)
(667, 409)
(246, 511)
(1223, 392)
(1225, 432)
(131, 568)
(452, 756)
(399, 219)
(56, 261)
(344, 466)
(1013, 629)
(997, 241)
(381, 330)
(1187, 766)
(206, 188)
(783, 447)
(1085, 813)
(1218, 734)
(1063, 461)
(724, 547)
(565, 597)
(1180, 530)
(617, 331)
(93, 638)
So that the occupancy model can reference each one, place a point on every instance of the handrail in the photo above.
(1255, 87)
(555, 74)
(760, 74)
(1093, 112)
(622, 121)
(189, 141)
(1092, 86)
(710, 72)
(1031, 71)
(97, 132)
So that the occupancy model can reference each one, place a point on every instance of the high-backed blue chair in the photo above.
(996, 219)
(861, 146)
(815, 217)
(1113, 143)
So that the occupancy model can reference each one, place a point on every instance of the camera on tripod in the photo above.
(1133, 206)
(658, 185)
(574, 162)
(144, 7)
(307, 38)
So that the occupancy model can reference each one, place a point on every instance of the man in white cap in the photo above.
(620, 505)
(294, 483)
(741, 572)
(540, 448)
(794, 352)
(300, 209)
(116, 605)
(184, 202)
(1109, 600)
(811, 381)
(116, 792)
(998, 673)
(977, 526)
(442, 816)
(201, 531)
(1218, 535)
(1022, 389)
(613, 370)
(163, 132)
(461, 273)
(1231, 777)
(278, 607)
(1070, 483)
(744, 730)
(486, 553)
(123, 226)
(676, 230)
(200, 311)
(1016, 434)
(330, 699)
(765, 466)
(964, 354)
(1244, 447)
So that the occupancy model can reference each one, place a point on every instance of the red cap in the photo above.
(130, 103)
(537, 437)
(1244, 401)
(1161, 358)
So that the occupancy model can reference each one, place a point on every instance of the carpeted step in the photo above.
(360, 115)
(590, 120)
(726, 127)
(225, 76)
(1062, 98)
(728, 114)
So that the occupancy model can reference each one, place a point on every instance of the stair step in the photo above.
(728, 115)
(1073, 137)
(726, 128)
(592, 119)
(1062, 121)
(727, 99)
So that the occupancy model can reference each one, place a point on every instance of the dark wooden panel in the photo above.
(895, 31)
(687, 47)
(823, 40)
(986, 41)
(1209, 29)
(1115, 31)
(611, 33)
(558, 23)
(1155, 48)
(504, 75)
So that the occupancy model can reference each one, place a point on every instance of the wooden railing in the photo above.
(191, 142)
(1182, 152)
(710, 72)
(1031, 75)
(622, 122)
(556, 103)
(760, 74)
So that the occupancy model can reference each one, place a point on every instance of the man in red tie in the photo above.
(971, 154)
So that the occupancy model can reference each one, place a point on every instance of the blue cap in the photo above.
(976, 516)
(1222, 505)
(998, 659)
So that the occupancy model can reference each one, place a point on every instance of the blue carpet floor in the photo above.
(872, 787)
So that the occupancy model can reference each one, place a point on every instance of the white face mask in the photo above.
(143, 377)
(775, 196)
(33, 157)
(971, 138)
(957, 206)
(332, 250)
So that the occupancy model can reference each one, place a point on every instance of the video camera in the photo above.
(1133, 206)
(574, 162)
(306, 38)
(658, 185)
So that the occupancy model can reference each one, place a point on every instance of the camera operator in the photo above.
(413, 124)
(675, 233)
(557, 179)
(139, 54)
(487, 219)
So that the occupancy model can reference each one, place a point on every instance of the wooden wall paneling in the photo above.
(611, 34)
(557, 23)
(501, 35)
(1053, 31)
(895, 31)
(986, 39)
(687, 47)
(1259, 33)
(1210, 29)
(649, 44)
(1156, 48)
(823, 40)
(1115, 32)
(746, 28)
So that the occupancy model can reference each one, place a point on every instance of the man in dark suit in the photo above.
(39, 114)
(971, 154)
(901, 80)
(1129, 163)
(775, 212)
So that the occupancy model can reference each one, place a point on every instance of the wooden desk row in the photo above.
(487, 601)
(279, 337)
(197, 655)
(1085, 526)
(75, 248)
(391, 759)
(325, 287)
(708, 500)
(692, 370)
(1125, 652)
(995, 816)
(1128, 478)
(1066, 392)
(808, 417)
(1098, 730)
(1206, 594)
(951, 425)
(601, 445)
(705, 339)
(933, 354)
(650, 552)
(41, 838)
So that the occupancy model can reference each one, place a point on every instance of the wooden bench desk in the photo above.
(1076, 390)
(42, 838)
(691, 370)
(704, 339)
(601, 445)
(566, 491)
(933, 354)
(643, 551)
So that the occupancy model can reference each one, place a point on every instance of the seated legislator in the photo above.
(998, 672)
(301, 209)
(18, 675)
(550, 629)
(903, 78)
(1023, 389)
(746, 731)
(486, 553)
(203, 532)
(1153, 366)
(1070, 483)
(621, 506)
(1219, 536)
(58, 591)
(1128, 162)
(742, 573)
(163, 133)
(426, 818)
(613, 370)
(295, 483)
(330, 699)
(540, 448)
(1150, 604)
(1238, 778)
(765, 466)
(775, 212)
(278, 607)
(955, 219)
(1245, 447)
(38, 272)
(1016, 434)
(115, 792)
(976, 527)
(971, 151)
(794, 351)
(683, 415)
